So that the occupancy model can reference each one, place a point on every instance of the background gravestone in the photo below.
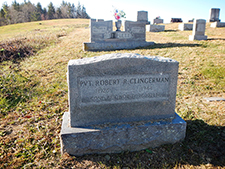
(174, 20)
(214, 15)
(155, 28)
(103, 38)
(217, 24)
(142, 16)
(100, 30)
(121, 102)
(185, 26)
(157, 21)
(137, 29)
(198, 32)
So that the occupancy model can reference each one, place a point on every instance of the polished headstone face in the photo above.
(100, 30)
(155, 28)
(198, 32)
(118, 88)
(142, 16)
(200, 27)
(156, 21)
(214, 14)
(137, 29)
(185, 26)
(121, 102)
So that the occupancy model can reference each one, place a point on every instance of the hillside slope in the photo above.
(34, 96)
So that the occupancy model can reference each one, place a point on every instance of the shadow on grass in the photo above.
(169, 45)
(215, 39)
(156, 46)
(170, 30)
(204, 144)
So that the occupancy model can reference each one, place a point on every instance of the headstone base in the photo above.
(217, 24)
(214, 20)
(79, 141)
(107, 46)
(197, 37)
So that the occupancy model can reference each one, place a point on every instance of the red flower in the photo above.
(117, 17)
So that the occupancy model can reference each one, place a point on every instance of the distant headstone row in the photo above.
(174, 20)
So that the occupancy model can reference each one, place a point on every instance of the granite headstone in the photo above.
(155, 28)
(157, 21)
(198, 32)
(121, 102)
(185, 26)
(142, 16)
(217, 24)
(103, 38)
(214, 15)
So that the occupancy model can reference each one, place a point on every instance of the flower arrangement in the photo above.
(158, 17)
(119, 14)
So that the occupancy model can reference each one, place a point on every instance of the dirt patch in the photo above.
(15, 49)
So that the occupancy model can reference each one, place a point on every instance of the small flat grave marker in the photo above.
(212, 99)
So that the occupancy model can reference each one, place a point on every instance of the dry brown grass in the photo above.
(29, 131)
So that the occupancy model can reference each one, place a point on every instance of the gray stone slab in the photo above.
(137, 29)
(217, 24)
(124, 137)
(102, 38)
(121, 88)
(142, 16)
(157, 21)
(214, 15)
(185, 27)
(198, 32)
(197, 37)
(100, 30)
(211, 99)
(115, 45)
(155, 28)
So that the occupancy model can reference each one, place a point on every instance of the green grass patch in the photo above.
(15, 89)
(215, 74)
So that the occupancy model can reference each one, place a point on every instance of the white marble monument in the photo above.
(198, 32)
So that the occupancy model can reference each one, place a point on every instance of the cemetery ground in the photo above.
(34, 96)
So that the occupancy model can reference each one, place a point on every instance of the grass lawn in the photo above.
(34, 96)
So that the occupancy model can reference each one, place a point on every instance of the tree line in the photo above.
(27, 12)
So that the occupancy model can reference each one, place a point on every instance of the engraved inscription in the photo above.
(137, 29)
(200, 28)
(100, 29)
(124, 35)
(118, 89)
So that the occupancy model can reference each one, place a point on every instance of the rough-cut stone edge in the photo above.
(109, 46)
(118, 56)
(81, 141)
